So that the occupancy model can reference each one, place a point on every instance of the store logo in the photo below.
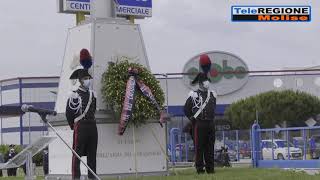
(228, 72)
(271, 13)
(218, 72)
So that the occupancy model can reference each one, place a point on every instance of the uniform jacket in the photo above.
(190, 107)
(77, 104)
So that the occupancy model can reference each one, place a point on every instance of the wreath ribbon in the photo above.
(129, 101)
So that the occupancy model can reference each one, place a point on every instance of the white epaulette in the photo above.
(193, 94)
(94, 93)
(73, 95)
(214, 94)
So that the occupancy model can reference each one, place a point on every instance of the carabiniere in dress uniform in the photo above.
(80, 113)
(200, 110)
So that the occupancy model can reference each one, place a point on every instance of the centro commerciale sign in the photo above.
(137, 8)
(223, 83)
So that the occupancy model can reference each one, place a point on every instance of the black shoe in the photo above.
(201, 171)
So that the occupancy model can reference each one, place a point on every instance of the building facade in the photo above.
(177, 91)
(41, 92)
(37, 91)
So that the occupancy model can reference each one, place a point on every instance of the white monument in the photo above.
(139, 150)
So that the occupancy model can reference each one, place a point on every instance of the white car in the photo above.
(280, 150)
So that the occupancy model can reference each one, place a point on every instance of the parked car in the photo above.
(245, 149)
(299, 142)
(280, 150)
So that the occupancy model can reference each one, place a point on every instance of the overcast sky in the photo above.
(33, 36)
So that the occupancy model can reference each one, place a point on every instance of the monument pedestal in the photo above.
(107, 40)
(139, 151)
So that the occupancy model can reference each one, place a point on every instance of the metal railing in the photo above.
(182, 150)
(297, 147)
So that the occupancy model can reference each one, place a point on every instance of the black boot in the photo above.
(200, 171)
(210, 170)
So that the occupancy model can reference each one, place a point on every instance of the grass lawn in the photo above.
(222, 174)
(18, 178)
(235, 174)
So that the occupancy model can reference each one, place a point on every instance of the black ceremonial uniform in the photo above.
(203, 128)
(85, 135)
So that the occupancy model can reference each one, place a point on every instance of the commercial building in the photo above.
(41, 92)
(37, 91)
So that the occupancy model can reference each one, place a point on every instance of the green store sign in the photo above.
(215, 73)
(225, 73)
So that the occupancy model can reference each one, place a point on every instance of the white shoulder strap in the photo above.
(193, 94)
(87, 108)
(214, 93)
(203, 106)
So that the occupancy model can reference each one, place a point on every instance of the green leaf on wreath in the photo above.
(114, 81)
